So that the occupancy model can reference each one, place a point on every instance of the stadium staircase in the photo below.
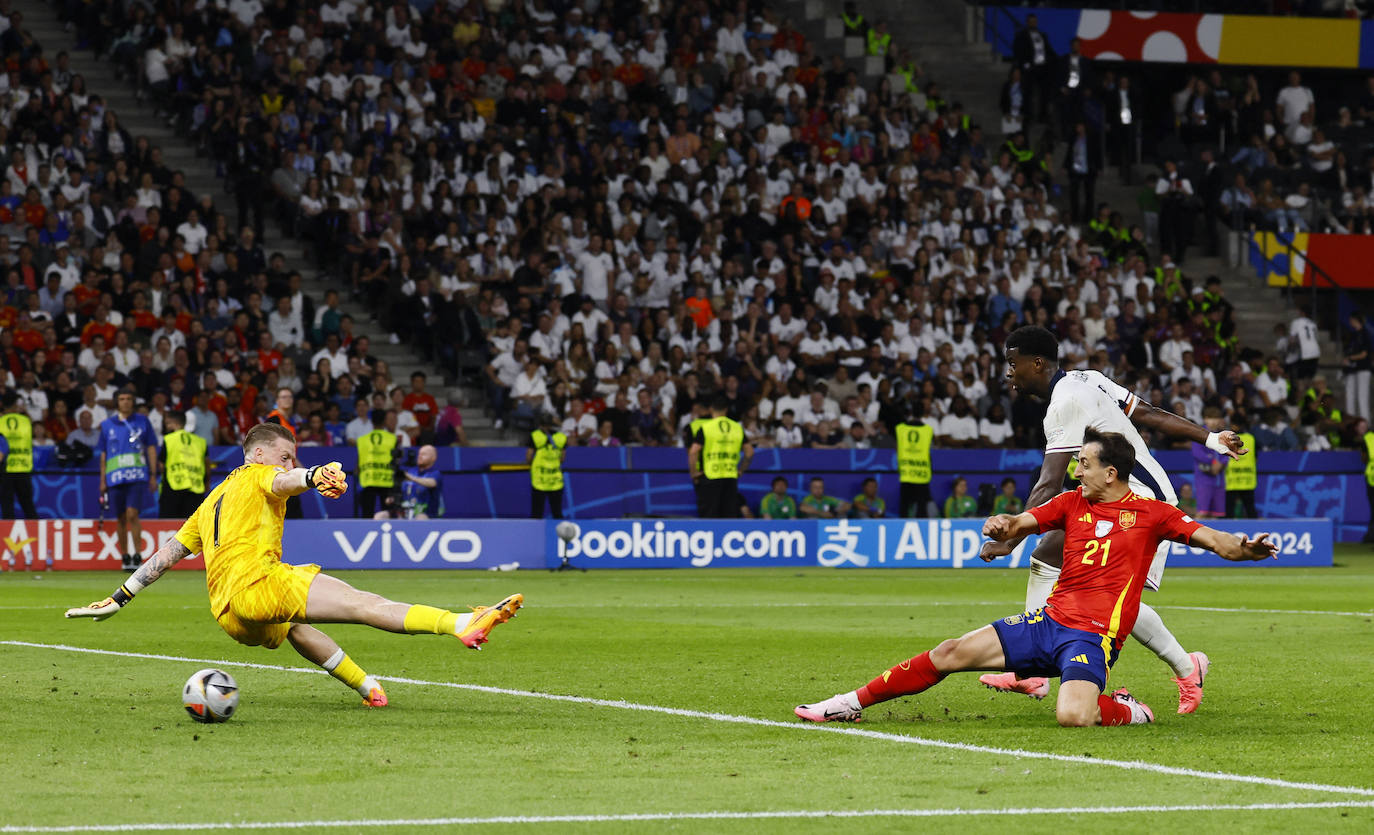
(137, 117)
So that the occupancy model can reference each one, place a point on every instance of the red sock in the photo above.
(908, 677)
(1113, 712)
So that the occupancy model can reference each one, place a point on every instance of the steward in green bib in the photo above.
(16, 476)
(1242, 475)
(183, 473)
(376, 472)
(854, 23)
(545, 456)
(913, 465)
(879, 40)
(718, 455)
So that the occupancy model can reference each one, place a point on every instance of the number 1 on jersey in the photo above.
(1092, 548)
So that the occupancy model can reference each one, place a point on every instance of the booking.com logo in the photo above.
(653, 541)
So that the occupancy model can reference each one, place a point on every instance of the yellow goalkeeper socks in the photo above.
(428, 619)
(343, 668)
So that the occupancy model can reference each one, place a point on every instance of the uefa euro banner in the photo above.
(88, 544)
(1183, 38)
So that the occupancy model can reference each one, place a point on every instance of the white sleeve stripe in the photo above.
(1074, 448)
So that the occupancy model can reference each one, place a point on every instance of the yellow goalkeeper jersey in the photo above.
(239, 529)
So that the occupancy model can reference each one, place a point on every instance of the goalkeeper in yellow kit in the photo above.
(260, 600)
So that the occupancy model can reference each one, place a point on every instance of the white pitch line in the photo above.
(371, 823)
(1130, 765)
(824, 604)
(1270, 611)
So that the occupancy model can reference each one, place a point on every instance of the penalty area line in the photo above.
(844, 730)
(377, 823)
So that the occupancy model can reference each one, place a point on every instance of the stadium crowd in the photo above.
(623, 208)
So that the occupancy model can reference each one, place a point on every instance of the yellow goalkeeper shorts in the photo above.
(263, 613)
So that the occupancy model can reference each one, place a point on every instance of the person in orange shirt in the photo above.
(699, 308)
(798, 199)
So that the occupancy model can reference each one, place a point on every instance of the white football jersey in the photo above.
(1080, 399)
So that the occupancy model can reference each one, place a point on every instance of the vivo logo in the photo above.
(456, 546)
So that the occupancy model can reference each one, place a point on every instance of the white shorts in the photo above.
(1156, 575)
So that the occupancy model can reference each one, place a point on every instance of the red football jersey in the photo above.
(1108, 549)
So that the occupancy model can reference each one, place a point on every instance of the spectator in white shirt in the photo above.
(1295, 100)
(1171, 351)
(579, 425)
(789, 434)
(959, 428)
(285, 324)
(995, 429)
(193, 233)
(334, 352)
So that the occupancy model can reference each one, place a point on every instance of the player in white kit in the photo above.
(1078, 400)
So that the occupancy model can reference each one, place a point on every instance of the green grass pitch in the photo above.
(91, 739)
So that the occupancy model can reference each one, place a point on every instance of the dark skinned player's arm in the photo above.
(1165, 422)
(1049, 485)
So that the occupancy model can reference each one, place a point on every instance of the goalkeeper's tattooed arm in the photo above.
(166, 557)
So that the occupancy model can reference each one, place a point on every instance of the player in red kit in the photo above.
(1110, 539)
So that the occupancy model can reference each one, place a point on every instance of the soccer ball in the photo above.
(210, 696)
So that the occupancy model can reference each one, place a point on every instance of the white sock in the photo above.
(366, 687)
(1040, 584)
(461, 622)
(333, 661)
(1151, 631)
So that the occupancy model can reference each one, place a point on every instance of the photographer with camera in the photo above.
(418, 493)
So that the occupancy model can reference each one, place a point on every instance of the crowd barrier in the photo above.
(89, 544)
(649, 481)
(1192, 38)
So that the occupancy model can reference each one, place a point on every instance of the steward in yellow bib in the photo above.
(376, 471)
(16, 475)
(1242, 475)
(718, 455)
(879, 40)
(913, 465)
(854, 23)
(183, 473)
(545, 455)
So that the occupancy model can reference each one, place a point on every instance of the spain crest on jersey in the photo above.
(1126, 519)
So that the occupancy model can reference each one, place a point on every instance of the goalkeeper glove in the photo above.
(102, 609)
(328, 479)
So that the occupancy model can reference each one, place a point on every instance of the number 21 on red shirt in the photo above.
(1093, 546)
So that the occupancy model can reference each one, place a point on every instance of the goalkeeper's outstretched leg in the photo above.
(331, 600)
